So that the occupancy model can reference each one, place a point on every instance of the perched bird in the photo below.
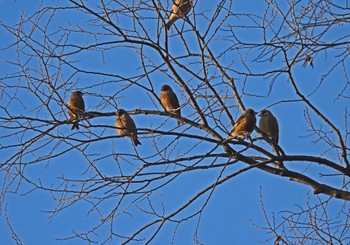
(179, 9)
(126, 126)
(278, 239)
(308, 60)
(169, 100)
(268, 125)
(76, 107)
(244, 125)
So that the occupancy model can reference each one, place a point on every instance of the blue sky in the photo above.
(233, 208)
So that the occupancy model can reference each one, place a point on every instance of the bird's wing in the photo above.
(185, 7)
(239, 125)
(130, 124)
(274, 127)
(82, 104)
(175, 102)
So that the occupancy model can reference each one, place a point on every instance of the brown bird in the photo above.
(169, 100)
(76, 107)
(308, 60)
(278, 239)
(268, 125)
(179, 10)
(126, 126)
(244, 125)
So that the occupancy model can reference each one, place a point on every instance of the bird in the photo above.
(170, 101)
(126, 126)
(244, 126)
(76, 107)
(269, 126)
(308, 60)
(179, 9)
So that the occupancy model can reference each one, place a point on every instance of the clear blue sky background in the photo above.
(234, 206)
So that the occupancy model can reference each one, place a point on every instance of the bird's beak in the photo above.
(260, 114)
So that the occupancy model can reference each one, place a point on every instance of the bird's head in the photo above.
(120, 112)
(264, 113)
(165, 88)
(250, 112)
(77, 94)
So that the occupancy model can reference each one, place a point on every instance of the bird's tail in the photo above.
(179, 122)
(75, 124)
(170, 22)
(275, 148)
(226, 140)
(136, 141)
(168, 25)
